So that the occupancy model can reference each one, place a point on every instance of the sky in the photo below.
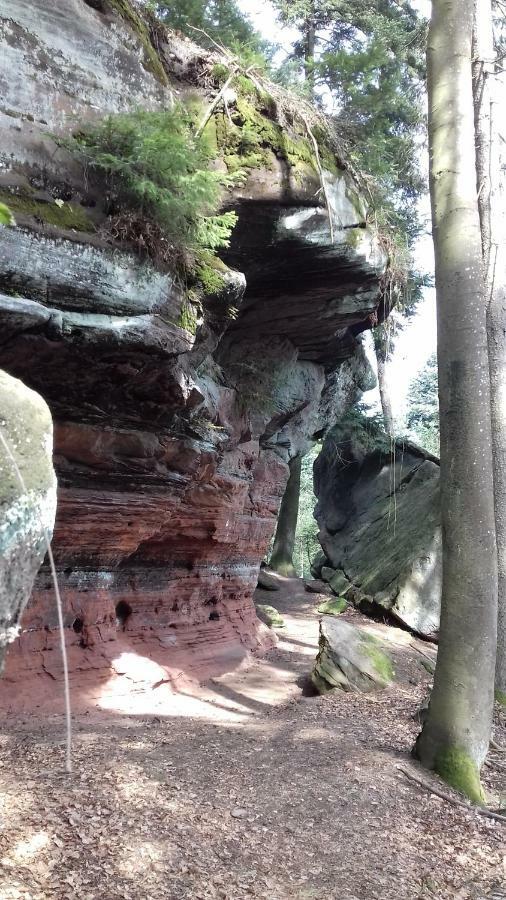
(418, 340)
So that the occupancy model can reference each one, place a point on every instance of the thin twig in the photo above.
(487, 813)
(68, 713)
(214, 104)
(496, 747)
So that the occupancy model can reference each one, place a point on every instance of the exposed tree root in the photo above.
(487, 813)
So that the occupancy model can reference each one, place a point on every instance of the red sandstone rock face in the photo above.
(171, 449)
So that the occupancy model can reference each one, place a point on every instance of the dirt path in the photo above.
(245, 788)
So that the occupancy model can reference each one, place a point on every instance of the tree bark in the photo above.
(455, 737)
(489, 91)
(284, 542)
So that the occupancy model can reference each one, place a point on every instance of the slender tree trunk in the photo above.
(381, 349)
(284, 542)
(384, 392)
(490, 111)
(455, 737)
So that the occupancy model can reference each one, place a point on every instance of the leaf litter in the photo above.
(299, 800)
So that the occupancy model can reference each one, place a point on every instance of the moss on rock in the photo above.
(61, 215)
(382, 664)
(460, 772)
(188, 317)
(254, 137)
(333, 607)
(270, 615)
(139, 26)
(500, 697)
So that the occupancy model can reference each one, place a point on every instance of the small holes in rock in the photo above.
(78, 625)
(214, 616)
(123, 613)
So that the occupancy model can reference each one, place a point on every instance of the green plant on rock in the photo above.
(188, 317)
(156, 166)
(210, 273)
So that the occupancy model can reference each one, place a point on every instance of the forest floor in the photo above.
(261, 791)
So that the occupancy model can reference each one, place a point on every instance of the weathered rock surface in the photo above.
(27, 498)
(379, 519)
(317, 586)
(171, 447)
(350, 659)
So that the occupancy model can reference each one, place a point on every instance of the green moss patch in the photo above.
(500, 697)
(381, 662)
(66, 215)
(460, 772)
(333, 607)
(254, 137)
(188, 317)
(208, 277)
(269, 615)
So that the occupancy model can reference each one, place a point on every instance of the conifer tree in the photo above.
(369, 55)
(222, 20)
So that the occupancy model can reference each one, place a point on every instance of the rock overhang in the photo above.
(171, 460)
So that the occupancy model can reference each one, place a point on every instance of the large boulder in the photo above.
(379, 517)
(349, 658)
(27, 498)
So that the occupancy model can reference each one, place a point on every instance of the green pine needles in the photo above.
(156, 168)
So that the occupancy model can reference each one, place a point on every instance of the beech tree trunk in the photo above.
(490, 111)
(284, 542)
(455, 738)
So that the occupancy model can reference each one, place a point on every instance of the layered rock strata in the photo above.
(171, 444)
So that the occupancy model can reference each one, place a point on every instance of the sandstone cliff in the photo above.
(172, 433)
